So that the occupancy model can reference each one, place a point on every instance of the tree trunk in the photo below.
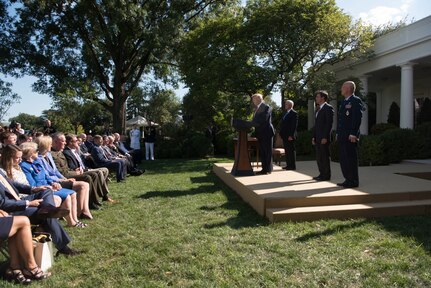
(119, 113)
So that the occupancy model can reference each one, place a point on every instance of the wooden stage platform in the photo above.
(399, 189)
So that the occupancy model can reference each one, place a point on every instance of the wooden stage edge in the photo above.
(294, 196)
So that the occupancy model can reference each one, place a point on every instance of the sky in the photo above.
(375, 12)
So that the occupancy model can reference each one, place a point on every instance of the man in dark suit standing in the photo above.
(322, 135)
(288, 125)
(349, 121)
(262, 121)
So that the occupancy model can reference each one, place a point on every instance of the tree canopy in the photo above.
(108, 46)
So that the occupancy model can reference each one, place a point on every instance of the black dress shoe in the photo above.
(262, 173)
(290, 169)
(350, 185)
(322, 178)
(52, 212)
(93, 206)
(67, 251)
(342, 184)
(317, 177)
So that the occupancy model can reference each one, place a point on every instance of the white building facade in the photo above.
(399, 71)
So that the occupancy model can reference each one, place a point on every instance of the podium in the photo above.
(242, 165)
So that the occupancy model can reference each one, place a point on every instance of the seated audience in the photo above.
(39, 207)
(36, 176)
(102, 159)
(75, 161)
(80, 187)
(16, 230)
(121, 146)
(112, 151)
(9, 163)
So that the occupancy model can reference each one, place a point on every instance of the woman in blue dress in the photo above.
(37, 176)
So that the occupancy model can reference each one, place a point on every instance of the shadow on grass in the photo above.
(180, 193)
(169, 166)
(246, 216)
(415, 227)
(331, 231)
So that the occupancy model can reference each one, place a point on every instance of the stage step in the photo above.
(337, 197)
(370, 210)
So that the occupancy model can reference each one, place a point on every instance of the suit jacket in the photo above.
(62, 164)
(288, 125)
(72, 161)
(7, 201)
(323, 126)
(52, 172)
(35, 173)
(99, 157)
(349, 118)
(262, 121)
(121, 147)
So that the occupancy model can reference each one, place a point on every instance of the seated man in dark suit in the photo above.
(39, 207)
(101, 159)
(120, 144)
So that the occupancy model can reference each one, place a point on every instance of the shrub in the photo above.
(394, 114)
(424, 133)
(303, 143)
(197, 145)
(399, 144)
(371, 151)
(167, 148)
(382, 127)
(223, 144)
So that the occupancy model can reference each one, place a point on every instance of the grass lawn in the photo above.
(178, 225)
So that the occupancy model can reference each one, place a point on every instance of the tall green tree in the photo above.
(110, 45)
(7, 98)
(28, 122)
(297, 38)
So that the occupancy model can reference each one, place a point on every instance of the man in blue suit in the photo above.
(288, 125)
(39, 207)
(101, 159)
(322, 135)
(349, 121)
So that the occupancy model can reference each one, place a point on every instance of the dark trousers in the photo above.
(265, 151)
(290, 153)
(51, 225)
(349, 161)
(323, 161)
(120, 168)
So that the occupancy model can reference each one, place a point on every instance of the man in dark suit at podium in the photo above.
(349, 121)
(288, 125)
(262, 121)
(322, 135)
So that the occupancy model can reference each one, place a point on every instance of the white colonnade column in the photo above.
(406, 101)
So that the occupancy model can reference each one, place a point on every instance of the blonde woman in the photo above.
(81, 188)
(36, 176)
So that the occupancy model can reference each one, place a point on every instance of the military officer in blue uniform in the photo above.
(349, 121)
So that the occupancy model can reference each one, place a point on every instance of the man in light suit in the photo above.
(322, 135)
(39, 207)
(349, 121)
(288, 125)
